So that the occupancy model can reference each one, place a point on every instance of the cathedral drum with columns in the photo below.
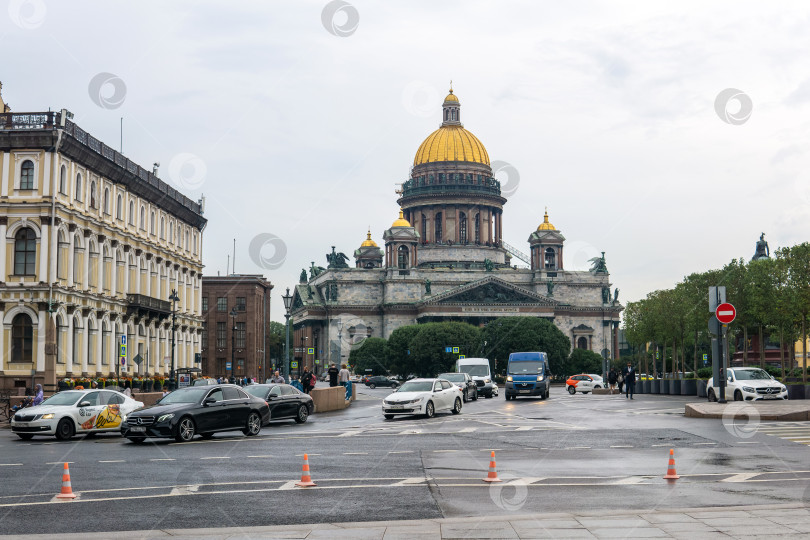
(444, 259)
(93, 247)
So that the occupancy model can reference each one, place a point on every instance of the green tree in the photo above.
(397, 350)
(428, 356)
(506, 335)
(582, 361)
(275, 341)
(370, 355)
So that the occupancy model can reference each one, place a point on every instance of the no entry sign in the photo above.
(725, 313)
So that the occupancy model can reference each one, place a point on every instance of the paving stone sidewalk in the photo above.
(743, 522)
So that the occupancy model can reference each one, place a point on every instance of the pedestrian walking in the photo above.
(306, 380)
(343, 374)
(629, 380)
(277, 378)
(612, 379)
(620, 381)
(333, 375)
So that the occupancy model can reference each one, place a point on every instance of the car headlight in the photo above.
(539, 377)
(784, 388)
(417, 400)
(487, 381)
(509, 378)
(164, 417)
(48, 416)
(748, 389)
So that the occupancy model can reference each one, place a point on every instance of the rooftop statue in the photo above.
(762, 252)
(336, 260)
(303, 277)
(598, 265)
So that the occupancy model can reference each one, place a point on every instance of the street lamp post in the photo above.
(233, 314)
(174, 298)
(287, 305)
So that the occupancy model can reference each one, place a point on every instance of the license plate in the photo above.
(21, 424)
(138, 429)
(396, 407)
(524, 391)
(770, 396)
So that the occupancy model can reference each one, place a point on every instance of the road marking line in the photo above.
(355, 453)
(491, 450)
(524, 428)
(113, 461)
(749, 442)
(657, 445)
(287, 486)
(631, 480)
(10, 464)
(402, 452)
(577, 447)
(216, 457)
(740, 477)
(267, 456)
(704, 443)
(445, 451)
(620, 446)
(467, 430)
(60, 462)
(164, 459)
(302, 455)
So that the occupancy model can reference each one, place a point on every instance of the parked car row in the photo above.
(182, 414)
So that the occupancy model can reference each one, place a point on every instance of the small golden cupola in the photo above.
(368, 242)
(546, 226)
(401, 221)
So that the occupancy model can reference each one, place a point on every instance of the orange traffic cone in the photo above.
(67, 491)
(492, 476)
(306, 480)
(671, 475)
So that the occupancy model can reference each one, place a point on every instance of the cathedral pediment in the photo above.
(490, 290)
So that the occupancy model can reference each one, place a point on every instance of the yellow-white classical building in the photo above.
(92, 247)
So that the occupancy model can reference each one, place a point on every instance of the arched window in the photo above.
(22, 339)
(152, 223)
(27, 175)
(402, 257)
(132, 212)
(171, 232)
(119, 207)
(186, 246)
(162, 228)
(477, 227)
(106, 203)
(551, 259)
(462, 228)
(438, 228)
(179, 238)
(25, 252)
(79, 187)
(445, 115)
(93, 203)
(143, 218)
(582, 343)
(63, 180)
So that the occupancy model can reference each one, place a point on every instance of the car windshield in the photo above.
(63, 398)
(417, 386)
(475, 371)
(184, 395)
(525, 368)
(257, 390)
(752, 375)
(455, 377)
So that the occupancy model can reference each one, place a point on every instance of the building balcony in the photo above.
(146, 306)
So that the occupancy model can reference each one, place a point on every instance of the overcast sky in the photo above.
(298, 124)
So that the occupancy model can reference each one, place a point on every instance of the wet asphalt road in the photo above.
(567, 453)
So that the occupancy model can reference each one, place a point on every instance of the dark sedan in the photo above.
(380, 380)
(465, 382)
(285, 401)
(202, 410)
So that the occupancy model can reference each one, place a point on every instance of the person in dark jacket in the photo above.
(306, 380)
(612, 378)
(629, 380)
(333, 372)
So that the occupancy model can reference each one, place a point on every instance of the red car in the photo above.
(583, 383)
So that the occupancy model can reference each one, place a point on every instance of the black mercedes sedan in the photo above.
(285, 401)
(202, 410)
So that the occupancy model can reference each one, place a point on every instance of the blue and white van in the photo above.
(527, 374)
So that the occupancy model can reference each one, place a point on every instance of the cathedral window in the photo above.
(106, 202)
(22, 339)
(438, 228)
(27, 175)
(462, 228)
(431, 179)
(25, 252)
(582, 343)
(424, 228)
(63, 180)
(79, 187)
(551, 259)
(402, 257)
(477, 228)
(93, 203)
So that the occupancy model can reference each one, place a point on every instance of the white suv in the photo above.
(748, 384)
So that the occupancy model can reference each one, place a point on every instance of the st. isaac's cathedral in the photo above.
(443, 259)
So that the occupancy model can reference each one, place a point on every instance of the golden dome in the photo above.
(368, 242)
(400, 222)
(546, 226)
(451, 143)
(451, 97)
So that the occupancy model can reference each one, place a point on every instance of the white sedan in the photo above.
(423, 396)
(74, 411)
(748, 384)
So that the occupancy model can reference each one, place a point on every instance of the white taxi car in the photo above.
(423, 396)
(748, 384)
(74, 411)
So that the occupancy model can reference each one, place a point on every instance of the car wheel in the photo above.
(488, 396)
(572, 390)
(711, 395)
(65, 429)
(388, 416)
(254, 424)
(303, 414)
(475, 395)
(207, 436)
(185, 430)
(548, 392)
(584, 392)
(464, 396)
(372, 386)
(25, 436)
(738, 395)
(137, 440)
(430, 410)
(457, 407)
(597, 386)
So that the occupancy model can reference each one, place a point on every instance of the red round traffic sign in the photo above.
(725, 313)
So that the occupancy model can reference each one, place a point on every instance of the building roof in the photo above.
(451, 142)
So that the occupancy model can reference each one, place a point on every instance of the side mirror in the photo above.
(209, 401)
(84, 404)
